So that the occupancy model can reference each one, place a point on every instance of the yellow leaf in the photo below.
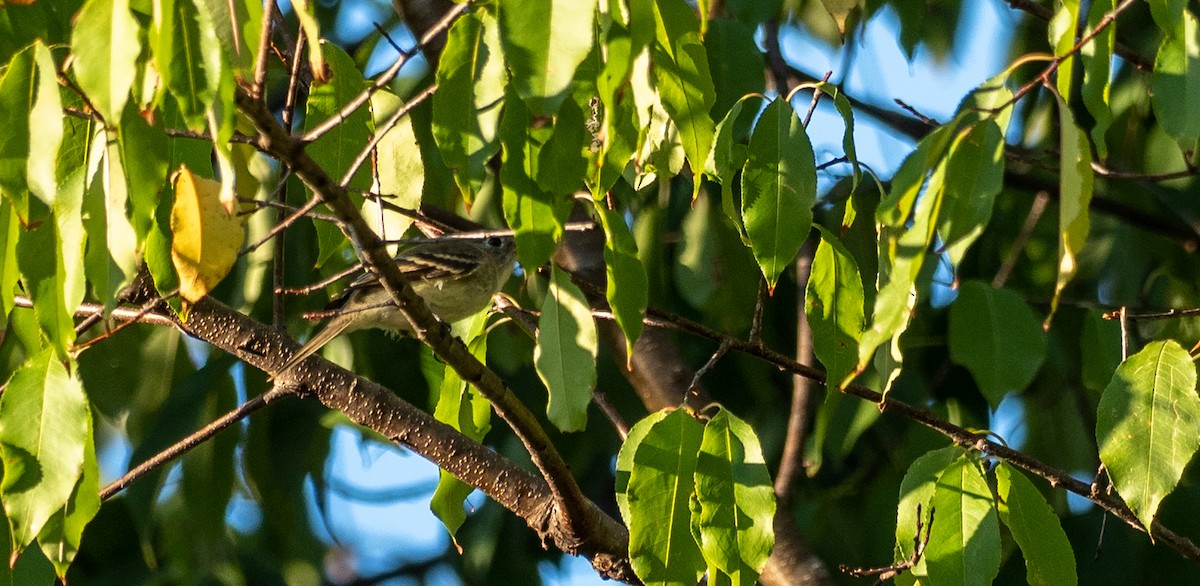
(206, 237)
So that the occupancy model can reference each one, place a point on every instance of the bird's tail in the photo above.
(329, 332)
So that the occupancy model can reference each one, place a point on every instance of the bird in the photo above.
(456, 277)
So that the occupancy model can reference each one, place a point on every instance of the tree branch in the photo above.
(576, 520)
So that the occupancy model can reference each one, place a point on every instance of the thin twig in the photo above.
(816, 99)
(1014, 253)
(384, 78)
(264, 43)
(200, 436)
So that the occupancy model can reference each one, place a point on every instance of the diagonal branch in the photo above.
(575, 519)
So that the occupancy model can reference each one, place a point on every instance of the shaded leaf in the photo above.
(536, 217)
(1176, 81)
(916, 490)
(995, 335)
(1075, 194)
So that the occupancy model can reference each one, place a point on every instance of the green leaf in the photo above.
(636, 435)
(10, 275)
(735, 497)
(45, 128)
(964, 540)
(779, 188)
(627, 286)
(1166, 13)
(43, 435)
(462, 407)
(974, 177)
(561, 164)
(565, 356)
(544, 42)
(1148, 425)
(187, 55)
(661, 482)
(833, 302)
(317, 59)
(842, 103)
(1062, 39)
(840, 10)
(536, 217)
(240, 38)
(105, 45)
(59, 539)
(337, 149)
(1049, 560)
(466, 108)
(729, 147)
(995, 335)
(43, 268)
(16, 86)
(400, 169)
(902, 254)
(1100, 349)
(734, 61)
(686, 90)
(1176, 82)
(916, 490)
(1074, 196)
(142, 150)
(1096, 55)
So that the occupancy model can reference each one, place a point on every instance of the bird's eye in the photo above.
(495, 242)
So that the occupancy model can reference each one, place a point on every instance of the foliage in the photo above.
(1024, 285)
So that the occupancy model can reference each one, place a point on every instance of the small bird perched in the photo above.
(455, 276)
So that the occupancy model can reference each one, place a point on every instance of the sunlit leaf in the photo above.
(1148, 425)
(105, 46)
(661, 482)
(466, 109)
(833, 302)
(544, 42)
(43, 435)
(400, 170)
(1097, 55)
(206, 238)
(187, 56)
(565, 356)
(974, 177)
(337, 149)
(43, 270)
(1176, 81)
(1075, 194)
(627, 286)
(916, 490)
(460, 406)
(686, 90)
(779, 187)
(536, 217)
(1049, 560)
(964, 540)
(735, 499)
(312, 36)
